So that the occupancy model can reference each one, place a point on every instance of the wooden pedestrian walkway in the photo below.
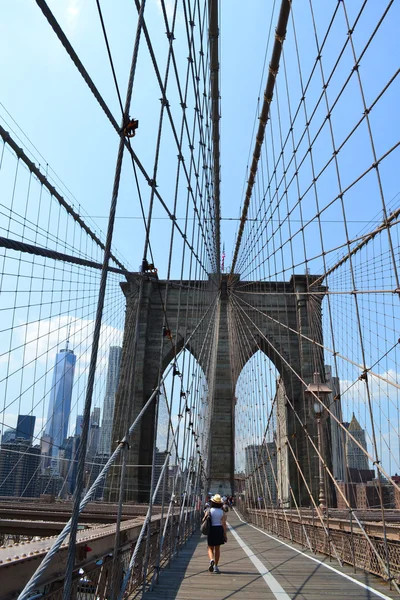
(255, 566)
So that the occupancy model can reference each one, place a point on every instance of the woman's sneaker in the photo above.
(211, 567)
(216, 570)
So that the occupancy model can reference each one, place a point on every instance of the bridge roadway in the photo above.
(38, 510)
(18, 562)
(48, 518)
(257, 566)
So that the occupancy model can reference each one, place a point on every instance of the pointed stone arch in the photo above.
(287, 305)
(146, 353)
(292, 320)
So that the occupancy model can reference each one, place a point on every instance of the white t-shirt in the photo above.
(216, 516)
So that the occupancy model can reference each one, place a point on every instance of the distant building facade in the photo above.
(19, 469)
(355, 457)
(337, 435)
(45, 451)
(93, 471)
(159, 463)
(94, 433)
(8, 435)
(60, 399)
(78, 425)
(72, 472)
(114, 365)
(261, 472)
(174, 480)
(366, 495)
(25, 427)
(49, 483)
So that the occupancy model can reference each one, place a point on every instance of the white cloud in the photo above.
(73, 10)
(39, 428)
(169, 8)
(9, 420)
(380, 388)
(45, 338)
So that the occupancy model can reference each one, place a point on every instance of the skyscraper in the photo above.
(356, 459)
(60, 398)
(159, 463)
(74, 458)
(25, 427)
(45, 452)
(114, 363)
(78, 425)
(94, 433)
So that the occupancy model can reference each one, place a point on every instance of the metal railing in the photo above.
(98, 579)
(344, 536)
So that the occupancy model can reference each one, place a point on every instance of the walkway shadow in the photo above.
(243, 588)
(184, 557)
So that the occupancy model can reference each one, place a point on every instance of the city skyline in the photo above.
(32, 425)
(56, 457)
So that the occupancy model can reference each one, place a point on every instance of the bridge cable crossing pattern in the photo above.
(277, 379)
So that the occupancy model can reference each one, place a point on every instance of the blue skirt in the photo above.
(216, 536)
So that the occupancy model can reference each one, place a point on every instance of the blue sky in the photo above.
(51, 103)
(49, 100)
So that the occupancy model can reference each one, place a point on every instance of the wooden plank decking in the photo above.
(284, 573)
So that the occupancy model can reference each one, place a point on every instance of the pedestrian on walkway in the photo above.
(217, 534)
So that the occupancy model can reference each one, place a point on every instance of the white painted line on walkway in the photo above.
(360, 583)
(269, 579)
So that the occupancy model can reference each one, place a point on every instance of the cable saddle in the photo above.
(129, 129)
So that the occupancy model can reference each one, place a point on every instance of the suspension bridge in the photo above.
(245, 160)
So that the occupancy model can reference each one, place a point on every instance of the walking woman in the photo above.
(217, 535)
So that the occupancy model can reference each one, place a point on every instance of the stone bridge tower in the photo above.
(286, 305)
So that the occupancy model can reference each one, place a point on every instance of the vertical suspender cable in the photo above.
(98, 322)
(269, 90)
(215, 117)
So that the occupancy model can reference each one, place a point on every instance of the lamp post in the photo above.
(319, 392)
(319, 414)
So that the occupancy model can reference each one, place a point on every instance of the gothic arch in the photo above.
(285, 302)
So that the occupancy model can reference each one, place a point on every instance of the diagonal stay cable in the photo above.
(215, 118)
(37, 576)
(98, 321)
(109, 55)
(240, 327)
(304, 427)
(45, 182)
(79, 65)
(19, 246)
(322, 346)
(166, 105)
(332, 415)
